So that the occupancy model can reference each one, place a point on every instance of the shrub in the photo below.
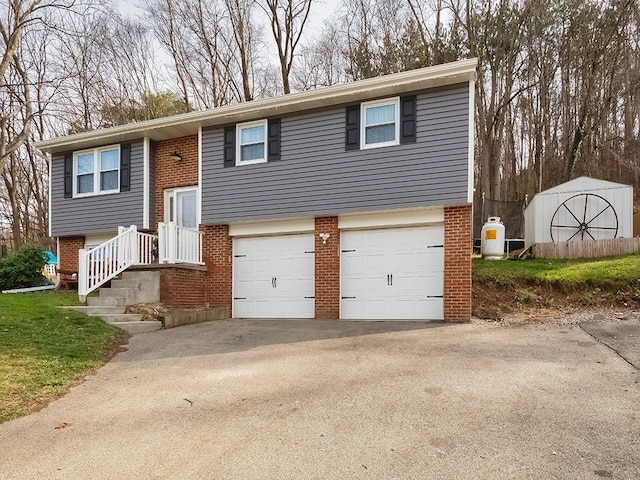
(22, 268)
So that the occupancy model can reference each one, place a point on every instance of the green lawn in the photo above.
(606, 273)
(45, 350)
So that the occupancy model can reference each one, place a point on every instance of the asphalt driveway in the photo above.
(346, 400)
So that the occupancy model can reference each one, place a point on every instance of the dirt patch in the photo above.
(539, 302)
(150, 311)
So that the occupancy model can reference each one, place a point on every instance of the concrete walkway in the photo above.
(345, 400)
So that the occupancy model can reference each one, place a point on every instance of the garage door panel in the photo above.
(244, 288)
(413, 256)
(352, 308)
(405, 261)
(242, 265)
(374, 262)
(375, 283)
(354, 263)
(356, 286)
(262, 286)
(430, 284)
(273, 275)
(304, 287)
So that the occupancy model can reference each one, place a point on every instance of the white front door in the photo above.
(273, 277)
(394, 273)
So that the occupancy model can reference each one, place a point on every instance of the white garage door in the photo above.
(394, 273)
(273, 277)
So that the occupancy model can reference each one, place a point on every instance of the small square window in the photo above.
(251, 143)
(380, 126)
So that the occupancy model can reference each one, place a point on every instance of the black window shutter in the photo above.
(273, 148)
(352, 131)
(230, 146)
(125, 167)
(408, 119)
(68, 175)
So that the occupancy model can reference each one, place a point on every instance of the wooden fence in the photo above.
(588, 249)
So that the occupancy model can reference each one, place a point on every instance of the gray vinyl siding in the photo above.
(316, 176)
(99, 213)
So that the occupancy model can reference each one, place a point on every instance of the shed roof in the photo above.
(582, 184)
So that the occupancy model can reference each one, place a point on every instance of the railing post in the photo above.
(162, 242)
(173, 242)
(83, 275)
(133, 245)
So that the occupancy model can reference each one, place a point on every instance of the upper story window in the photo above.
(380, 125)
(96, 171)
(251, 143)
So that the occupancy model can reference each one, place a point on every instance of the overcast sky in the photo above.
(320, 11)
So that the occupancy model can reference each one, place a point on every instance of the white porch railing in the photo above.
(102, 263)
(178, 244)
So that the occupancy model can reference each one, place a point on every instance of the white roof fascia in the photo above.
(188, 123)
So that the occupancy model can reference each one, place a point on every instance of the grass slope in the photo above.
(505, 286)
(45, 350)
(606, 273)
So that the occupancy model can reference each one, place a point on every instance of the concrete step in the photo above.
(122, 283)
(118, 292)
(120, 317)
(107, 302)
(130, 322)
(139, 327)
(97, 311)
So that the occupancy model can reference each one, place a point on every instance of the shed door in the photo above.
(394, 273)
(273, 276)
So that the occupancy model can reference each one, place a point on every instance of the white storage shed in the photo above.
(581, 209)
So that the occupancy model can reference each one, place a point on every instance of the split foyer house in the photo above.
(352, 201)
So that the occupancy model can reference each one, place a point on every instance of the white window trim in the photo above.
(239, 127)
(395, 101)
(96, 171)
(173, 192)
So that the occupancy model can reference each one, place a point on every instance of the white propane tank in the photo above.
(492, 242)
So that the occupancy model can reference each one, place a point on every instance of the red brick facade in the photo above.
(217, 256)
(183, 288)
(457, 263)
(69, 247)
(171, 173)
(327, 269)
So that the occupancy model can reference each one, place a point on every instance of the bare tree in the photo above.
(287, 19)
(244, 33)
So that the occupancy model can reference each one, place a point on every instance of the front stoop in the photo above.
(132, 288)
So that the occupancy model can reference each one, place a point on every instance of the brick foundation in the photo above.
(217, 256)
(69, 247)
(181, 287)
(327, 269)
(457, 263)
(171, 173)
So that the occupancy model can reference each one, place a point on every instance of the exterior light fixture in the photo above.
(176, 156)
(324, 237)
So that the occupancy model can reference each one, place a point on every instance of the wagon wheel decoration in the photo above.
(580, 222)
